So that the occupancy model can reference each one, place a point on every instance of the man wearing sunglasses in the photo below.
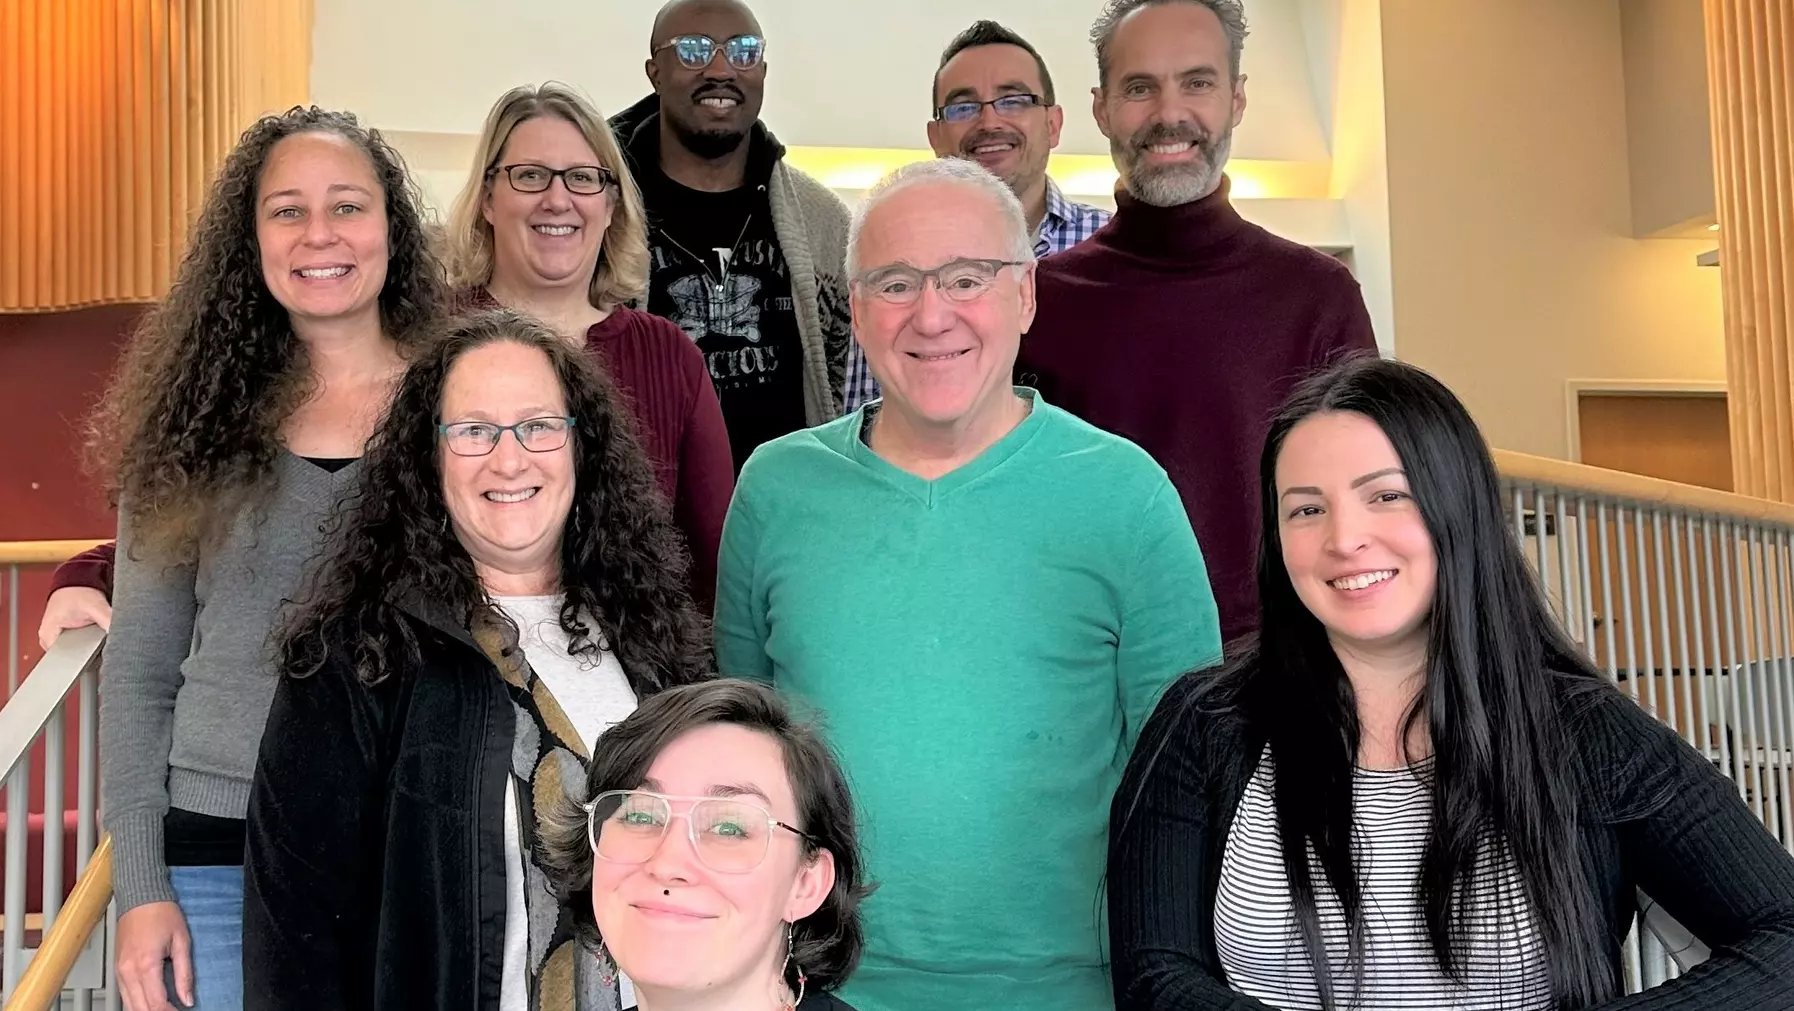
(746, 251)
(993, 103)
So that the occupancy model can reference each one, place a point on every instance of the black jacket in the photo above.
(1655, 816)
(374, 867)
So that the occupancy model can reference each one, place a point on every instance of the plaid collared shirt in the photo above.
(1066, 224)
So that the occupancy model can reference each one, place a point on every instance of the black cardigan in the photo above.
(1657, 817)
(374, 868)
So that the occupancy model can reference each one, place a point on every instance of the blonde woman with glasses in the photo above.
(550, 223)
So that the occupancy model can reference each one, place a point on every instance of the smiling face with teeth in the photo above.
(1353, 541)
(709, 110)
(551, 239)
(1170, 102)
(509, 507)
(1014, 149)
(321, 230)
(944, 366)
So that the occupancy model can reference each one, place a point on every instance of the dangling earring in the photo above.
(802, 980)
(607, 967)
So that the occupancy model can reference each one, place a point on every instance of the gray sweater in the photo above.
(188, 674)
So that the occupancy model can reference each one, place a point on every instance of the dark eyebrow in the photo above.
(1202, 71)
(1309, 489)
(334, 188)
(1373, 475)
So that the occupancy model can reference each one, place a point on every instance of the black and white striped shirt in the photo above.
(1261, 948)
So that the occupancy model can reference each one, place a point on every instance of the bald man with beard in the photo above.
(746, 251)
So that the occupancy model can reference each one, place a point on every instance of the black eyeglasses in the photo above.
(585, 180)
(1008, 106)
(743, 52)
(479, 438)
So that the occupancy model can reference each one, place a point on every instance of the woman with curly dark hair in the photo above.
(233, 424)
(507, 585)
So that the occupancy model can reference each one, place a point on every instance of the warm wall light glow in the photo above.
(1078, 175)
(1714, 227)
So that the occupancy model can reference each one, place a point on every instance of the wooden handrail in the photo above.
(44, 552)
(1616, 484)
(49, 968)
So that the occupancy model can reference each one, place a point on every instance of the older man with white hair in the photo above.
(984, 596)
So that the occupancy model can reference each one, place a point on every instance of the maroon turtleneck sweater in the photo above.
(1183, 329)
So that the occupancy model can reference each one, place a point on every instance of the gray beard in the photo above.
(1172, 186)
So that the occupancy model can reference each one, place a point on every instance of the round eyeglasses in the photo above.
(959, 280)
(1007, 106)
(743, 52)
(730, 836)
(585, 180)
(478, 438)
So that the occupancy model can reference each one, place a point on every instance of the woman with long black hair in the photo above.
(1415, 791)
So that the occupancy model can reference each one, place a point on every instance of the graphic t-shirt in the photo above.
(717, 271)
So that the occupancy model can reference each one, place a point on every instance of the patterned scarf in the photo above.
(547, 758)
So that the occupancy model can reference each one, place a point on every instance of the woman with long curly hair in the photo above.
(232, 427)
(550, 223)
(506, 586)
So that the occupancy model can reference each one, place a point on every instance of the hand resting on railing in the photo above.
(73, 607)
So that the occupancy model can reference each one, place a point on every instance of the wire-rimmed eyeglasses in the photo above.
(728, 834)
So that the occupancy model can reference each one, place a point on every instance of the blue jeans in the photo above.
(211, 899)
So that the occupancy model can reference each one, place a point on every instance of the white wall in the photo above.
(851, 73)
(1514, 264)
(1668, 125)
(1360, 169)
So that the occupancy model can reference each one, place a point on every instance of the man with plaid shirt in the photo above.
(993, 104)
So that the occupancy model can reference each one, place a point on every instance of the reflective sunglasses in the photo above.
(743, 52)
(1008, 106)
(730, 835)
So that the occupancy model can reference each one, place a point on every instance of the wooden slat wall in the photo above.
(113, 115)
(1750, 77)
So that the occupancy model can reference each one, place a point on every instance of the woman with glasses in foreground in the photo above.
(714, 859)
(506, 587)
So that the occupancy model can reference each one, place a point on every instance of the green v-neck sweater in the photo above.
(983, 650)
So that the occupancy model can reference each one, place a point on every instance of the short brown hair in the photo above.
(826, 944)
(622, 274)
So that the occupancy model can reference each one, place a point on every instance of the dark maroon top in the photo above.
(662, 374)
(1184, 329)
